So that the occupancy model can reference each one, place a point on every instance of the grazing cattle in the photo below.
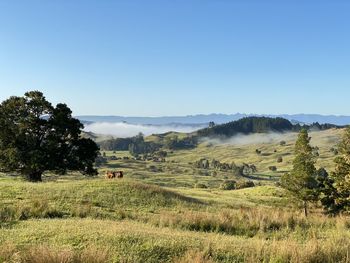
(119, 174)
(114, 174)
(109, 175)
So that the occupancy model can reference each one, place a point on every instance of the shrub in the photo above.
(228, 185)
(280, 159)
(334, 151)
(273, 168)
(283, 143)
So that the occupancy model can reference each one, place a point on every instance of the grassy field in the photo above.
(179, 170)
(158, 214)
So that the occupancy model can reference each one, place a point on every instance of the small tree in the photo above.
(36, 137)
(301, 181)
(337, 191)
(273, 168)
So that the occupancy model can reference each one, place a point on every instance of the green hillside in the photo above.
(160, 211)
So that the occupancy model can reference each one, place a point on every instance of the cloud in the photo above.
(123, 130)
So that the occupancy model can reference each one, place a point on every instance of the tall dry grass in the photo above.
(251, 222)
(46, 254)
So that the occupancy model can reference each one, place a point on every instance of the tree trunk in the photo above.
(305, 208)
(34, 176)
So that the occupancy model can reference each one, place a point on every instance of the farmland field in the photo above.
(172, 211)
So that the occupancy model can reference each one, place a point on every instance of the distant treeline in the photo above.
(137, 145)
(250, 125)
(316, 126)
(246, 126)
(118, 144)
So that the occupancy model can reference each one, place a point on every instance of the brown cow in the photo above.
(109, 174)
(114, 174)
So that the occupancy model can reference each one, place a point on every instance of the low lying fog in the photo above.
(123, 130)
(256, 138)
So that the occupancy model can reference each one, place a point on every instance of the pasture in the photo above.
(172, 211)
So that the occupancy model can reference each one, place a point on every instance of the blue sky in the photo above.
(155, 58)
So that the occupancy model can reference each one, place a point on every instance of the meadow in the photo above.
(172, 211)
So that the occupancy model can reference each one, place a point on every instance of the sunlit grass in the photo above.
(157, 214)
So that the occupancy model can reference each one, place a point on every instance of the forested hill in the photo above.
(257, 125)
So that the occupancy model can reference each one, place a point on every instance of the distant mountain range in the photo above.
(202, 119)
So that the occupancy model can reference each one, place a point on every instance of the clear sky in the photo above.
(173, 57)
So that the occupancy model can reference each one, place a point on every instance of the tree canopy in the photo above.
(255, 124)
(337, 188)
(301, 182)
(248, 125)
(36, 137)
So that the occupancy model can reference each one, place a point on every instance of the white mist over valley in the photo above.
(123, 130)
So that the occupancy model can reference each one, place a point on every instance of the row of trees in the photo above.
(258, 125)
(244, 169)
(176, 143)
(140, 146)
(117, 144)
(171, 143)
(308, 184)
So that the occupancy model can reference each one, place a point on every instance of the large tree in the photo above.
(337, 197)
(301, 181)
(36, 137)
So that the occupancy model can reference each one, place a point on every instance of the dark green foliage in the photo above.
(139, 146)
(36, 137)
(118, 144)
(244, 169)
(174, 143)
(228, 185)
(337, 187)
(273, 168)
(202, 163)
(315, 126)
(259, 125)
(248, 125)
(334, 151)
(247, 169)
(321, 127)
(301, 181)
(136, 145)
(280, 159)
(328, 193)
